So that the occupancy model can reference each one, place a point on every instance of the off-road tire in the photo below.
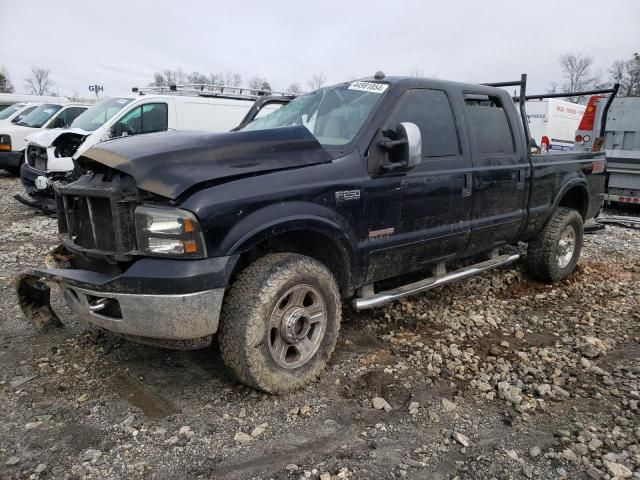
(542, 252)
(245, 316)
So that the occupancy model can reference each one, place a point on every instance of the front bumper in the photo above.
(179, 301)
(10, 159)
(42, 198)
(169, 317)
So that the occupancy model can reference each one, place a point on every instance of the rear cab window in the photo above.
(491, 131)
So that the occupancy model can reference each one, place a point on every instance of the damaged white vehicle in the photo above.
(50, 154)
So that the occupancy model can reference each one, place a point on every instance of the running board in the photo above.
(381, 298)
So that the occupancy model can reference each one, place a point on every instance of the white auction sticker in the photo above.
(368, 87)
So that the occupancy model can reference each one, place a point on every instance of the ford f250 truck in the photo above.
(259, 234)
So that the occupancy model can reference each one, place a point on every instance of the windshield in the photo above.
(96, 116)
(40, 116)
(7, 112)
(334, 115)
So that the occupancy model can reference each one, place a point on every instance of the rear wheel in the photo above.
(280, 322)
(553, 254)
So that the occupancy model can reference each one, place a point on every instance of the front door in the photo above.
(420, 216)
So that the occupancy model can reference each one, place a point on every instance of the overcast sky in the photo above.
(119, 44)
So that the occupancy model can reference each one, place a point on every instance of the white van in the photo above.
(50, 154)
(553, 123)
(46, 116)
(16, 112)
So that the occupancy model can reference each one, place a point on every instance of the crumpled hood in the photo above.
(45, 138)
(169, 163)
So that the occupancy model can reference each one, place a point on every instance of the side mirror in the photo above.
(406, 150)
(59, 123)
(119, 130)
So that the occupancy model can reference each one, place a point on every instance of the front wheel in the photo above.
(553, 254)
(280, 322)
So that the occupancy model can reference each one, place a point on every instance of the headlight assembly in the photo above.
(169, 232)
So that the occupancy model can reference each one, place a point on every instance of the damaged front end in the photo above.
(113, 303)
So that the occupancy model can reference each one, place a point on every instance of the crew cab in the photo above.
(258, 235)
(46, 116)
(50, 154)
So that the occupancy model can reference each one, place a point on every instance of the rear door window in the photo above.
(148, 118)
(490, 128)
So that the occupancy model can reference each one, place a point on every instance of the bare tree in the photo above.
(197, 77)
(232, 79)
(259, 86)
(294, 89)
(5, 83)
(317, 81)
(38, 83)
(627, 74)
(576, 69)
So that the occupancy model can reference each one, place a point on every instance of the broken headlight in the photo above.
(169, 232)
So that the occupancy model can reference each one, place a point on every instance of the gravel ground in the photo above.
(496, 377)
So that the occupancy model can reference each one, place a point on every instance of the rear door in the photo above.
(500, 171)
(420, 216)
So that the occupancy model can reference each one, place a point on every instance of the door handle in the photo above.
(520, 179)
(467, 188)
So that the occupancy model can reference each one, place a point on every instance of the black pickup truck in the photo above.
(259, 234)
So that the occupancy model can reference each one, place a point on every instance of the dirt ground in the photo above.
(496, 377)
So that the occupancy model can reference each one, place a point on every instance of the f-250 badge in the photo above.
(346, 195)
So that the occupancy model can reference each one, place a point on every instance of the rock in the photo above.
(17, 382)
(484, 387)
(305, 409)
(292, 467)
(569, 455)
(32, 425)
(12, 461)
(561, 391)
(617, 470)
(380, 403)
(512, 454)
(83, 398)
(580, 449)
(519, 334)
(594, 444)
(259, 430)
(41, 468)
(594, 473)
(534, 452)
(543, 389)
(448, 405)
(325, 476)
(413, 408)
(243, 437)
(186, 432)
(91, 455)
(461, 439)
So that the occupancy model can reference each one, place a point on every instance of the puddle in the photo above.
(141, 396)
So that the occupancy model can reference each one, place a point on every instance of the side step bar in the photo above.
(381, 298)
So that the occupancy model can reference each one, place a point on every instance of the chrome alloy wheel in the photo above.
(296, 326)
(566, 246)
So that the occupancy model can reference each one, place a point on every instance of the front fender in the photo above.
(279, 218)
